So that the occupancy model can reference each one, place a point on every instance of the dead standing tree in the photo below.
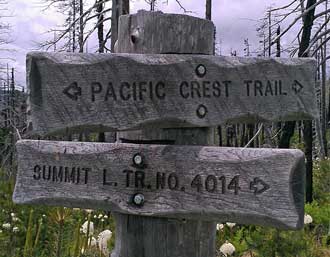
(5, 36)
(304, 10)
(73, 35)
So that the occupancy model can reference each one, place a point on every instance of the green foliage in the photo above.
(320, 213)
(321, 176)
(297, 141)
(262, 241)
(28, 247)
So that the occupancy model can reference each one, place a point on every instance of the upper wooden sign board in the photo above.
(248, 186)
(127, 91)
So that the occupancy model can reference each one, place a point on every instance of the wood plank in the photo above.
(155, 32)
(247, 186)
(128, 91)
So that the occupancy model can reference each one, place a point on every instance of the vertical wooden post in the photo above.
(137, 236)
(119, 7)
(208, 12)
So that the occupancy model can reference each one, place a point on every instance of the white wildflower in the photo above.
(15, 219)
(105, 216)
(84, 227)
(100, 216)
(1, 231)
(6, 225)
(308, 219)
(95, 216)
(231, 225)
(12, 214)
(88, 210)
(15, 229)
(227, 249)
(220, 226)
(44, 216)
(93, 242)
(102, 220)
(103, 239)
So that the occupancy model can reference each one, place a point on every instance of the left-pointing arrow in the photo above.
(73, 91)
(255, 185)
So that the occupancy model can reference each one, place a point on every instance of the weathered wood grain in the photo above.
(163, 33)
(247, 186)
(128, 91)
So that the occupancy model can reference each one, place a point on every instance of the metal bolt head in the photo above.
(201, 70)
(201, 111)
(138, 199)
(138, 160)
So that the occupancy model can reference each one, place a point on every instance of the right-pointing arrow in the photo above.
(297, 86)
(259, 186)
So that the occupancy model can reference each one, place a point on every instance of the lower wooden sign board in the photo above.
(247, 186)
(129, 91)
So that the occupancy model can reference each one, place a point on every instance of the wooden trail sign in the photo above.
(129, 91)
(248, 186)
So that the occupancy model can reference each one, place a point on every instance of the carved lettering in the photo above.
(37, 172)
(227, 83)
(142, 90)
(247, 84)
(44, 171)
(87, 170)
(201, 183)
(223, 184)
(183, 89)
(160, 180)
(216, 89)
(139, 179)
(258, 88)
(60, 174)
(206, 89)
(105, 182)
(173, 181)
(136, 91)
(96, 88)
(72, 175)
(282, 92)
(266, 88)
(160, 90)
(128, 174)
(124, 91)
(269, 89)
(57, 174)
(211, 184)
(110, 93)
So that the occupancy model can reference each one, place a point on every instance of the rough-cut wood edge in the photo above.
(233, 154)
(37, 120)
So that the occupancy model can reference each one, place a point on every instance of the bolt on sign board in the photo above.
(248, 186)
(128, 91)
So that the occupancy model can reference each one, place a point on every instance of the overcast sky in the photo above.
(235, 21)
